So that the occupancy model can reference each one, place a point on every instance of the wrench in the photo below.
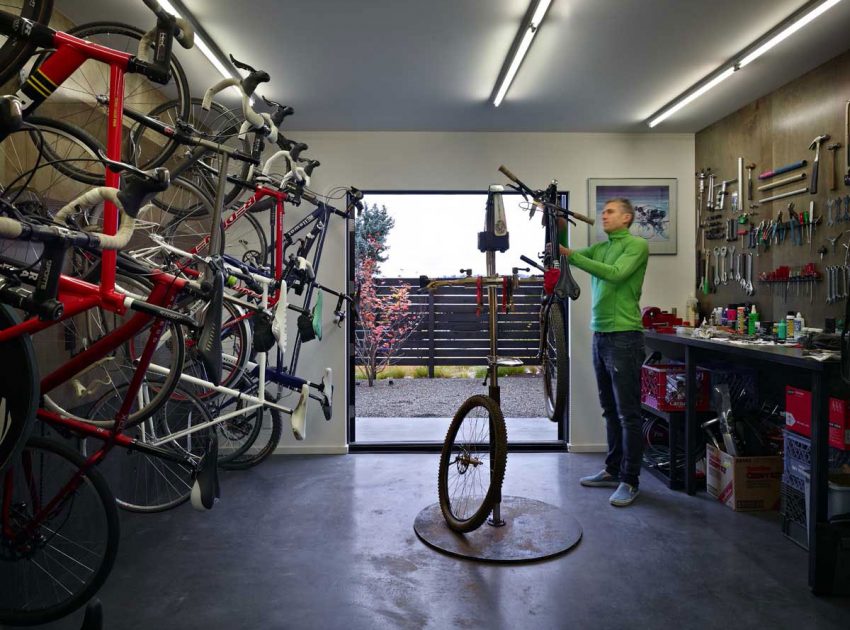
(834, 240)
(731, 261)
(750, 289)
(830, 204)
(716, 252)
(723, 277)
(830, 292)
(846, 216)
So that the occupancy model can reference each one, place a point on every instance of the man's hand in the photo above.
(564, 251)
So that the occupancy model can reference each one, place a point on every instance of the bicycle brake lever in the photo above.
(121, 167)
(241, 65)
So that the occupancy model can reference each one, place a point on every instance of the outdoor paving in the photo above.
(418, 410)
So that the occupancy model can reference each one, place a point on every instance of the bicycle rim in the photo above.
(147, 483)
(245, 240)
(53, 570)
(269, 431)
(472, 464)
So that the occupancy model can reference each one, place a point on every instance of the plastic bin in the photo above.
(662, 387)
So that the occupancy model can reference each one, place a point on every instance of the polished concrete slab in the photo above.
(328, 542)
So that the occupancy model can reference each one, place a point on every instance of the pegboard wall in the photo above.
(772, 132)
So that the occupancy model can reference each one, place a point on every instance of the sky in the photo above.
(437, 234)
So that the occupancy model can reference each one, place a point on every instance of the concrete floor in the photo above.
(328, 542)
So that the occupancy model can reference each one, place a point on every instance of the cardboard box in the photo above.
(745, 484)
(798, 417)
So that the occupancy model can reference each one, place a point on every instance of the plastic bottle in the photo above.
(752, 320)
(741, 327)
(799, 324)
(781, 330)
(789, 325)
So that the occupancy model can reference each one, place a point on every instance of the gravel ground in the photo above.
(522, 397)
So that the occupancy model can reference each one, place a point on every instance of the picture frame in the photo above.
(655, 204)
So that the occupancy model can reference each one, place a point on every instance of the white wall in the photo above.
(469, 161)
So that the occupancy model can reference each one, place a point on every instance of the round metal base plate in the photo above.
(533, 530)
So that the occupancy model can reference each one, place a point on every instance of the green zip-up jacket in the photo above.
(618, 266)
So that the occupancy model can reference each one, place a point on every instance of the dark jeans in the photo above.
(617, 359)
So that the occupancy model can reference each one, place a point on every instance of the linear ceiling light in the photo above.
(787, 27)
(215, 58)
(522, 41)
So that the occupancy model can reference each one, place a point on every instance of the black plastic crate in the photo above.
(792, 508)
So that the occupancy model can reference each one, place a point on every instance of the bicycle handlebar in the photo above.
(537, 196)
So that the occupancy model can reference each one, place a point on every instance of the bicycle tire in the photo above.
(145, 483)
(140, 94)
(76, 546)
(555, 362)
(468, 454)
(264, 443)
(15, 51)
(88, 172)
(219, 124)
(19, 389)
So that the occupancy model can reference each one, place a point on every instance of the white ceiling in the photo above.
(429, 65)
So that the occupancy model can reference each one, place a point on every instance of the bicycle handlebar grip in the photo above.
(280, 112)
(10, 228)
(504, 171)
(185, 34)
(126, 223)
(581, 217)
(215, 89)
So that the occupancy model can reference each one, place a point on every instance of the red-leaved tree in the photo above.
(384, 322)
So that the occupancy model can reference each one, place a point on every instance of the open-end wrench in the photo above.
(846, 215)
(829, 290)
(723, 277)
(750, 289)
(834, 240)
(716, 252)
(830, 204)
(732, 261)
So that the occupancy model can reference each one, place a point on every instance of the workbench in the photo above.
(783, 362)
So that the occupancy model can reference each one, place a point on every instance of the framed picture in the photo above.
(654, 201)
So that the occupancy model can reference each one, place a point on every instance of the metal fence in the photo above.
(454, 331)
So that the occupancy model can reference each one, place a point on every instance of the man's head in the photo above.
(616, 214)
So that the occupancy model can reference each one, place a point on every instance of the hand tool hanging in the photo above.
(833, 148)
(783, 169)
(741, 196)
(749, 168)
(781, 182)
(815, 146)
(791, 193)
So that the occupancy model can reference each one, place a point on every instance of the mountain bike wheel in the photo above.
(555, 366)
(472, 464)
(219, 124)
(18, 389)
(146, 483)
(14, 51)
(83, 98)
(57, 567)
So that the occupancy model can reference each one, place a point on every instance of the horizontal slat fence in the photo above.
(452, 332)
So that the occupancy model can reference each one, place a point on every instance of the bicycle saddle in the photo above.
(567, 285)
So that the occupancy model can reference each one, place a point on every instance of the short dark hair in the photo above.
(625, 206)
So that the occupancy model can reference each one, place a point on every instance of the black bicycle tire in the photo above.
(263, 243)
(244, 462)
(106, 499)
(169, 504)
(19, 357)
(15, 52)
(234, 189)
(555, 399)
(255, 428)
(85, 31)
(497, 445)
(79, 134)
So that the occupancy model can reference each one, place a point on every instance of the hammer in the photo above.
(749, 168)
(833, 184)
(813, 187)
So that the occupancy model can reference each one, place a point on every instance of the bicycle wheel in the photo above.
(245, 240)
(83, 98)
(269, 428)
(472, 463)
(14, 51)
(555, 368)
(18, 389)
(219, 124)
(147, 483)
(109, 375)
(52, 565)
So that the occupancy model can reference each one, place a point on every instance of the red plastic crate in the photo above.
(662, 387)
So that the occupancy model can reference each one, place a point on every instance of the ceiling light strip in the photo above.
(777, 34)
(522, 42)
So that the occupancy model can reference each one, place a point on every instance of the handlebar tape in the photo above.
(126, 223)
(504, 171)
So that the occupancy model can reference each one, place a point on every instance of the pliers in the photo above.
(796, 227)
(779, 231)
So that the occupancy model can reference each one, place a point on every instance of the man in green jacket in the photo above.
(617, 267)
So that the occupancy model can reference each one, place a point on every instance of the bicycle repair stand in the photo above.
(534, 530)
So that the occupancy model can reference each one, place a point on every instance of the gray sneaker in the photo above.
(624, 495)
(600, 480)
